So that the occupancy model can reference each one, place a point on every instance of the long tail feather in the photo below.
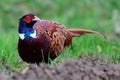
(79, 32)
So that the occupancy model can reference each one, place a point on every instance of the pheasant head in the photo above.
(26, 26)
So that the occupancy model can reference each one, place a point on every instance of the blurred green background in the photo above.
(98, 15)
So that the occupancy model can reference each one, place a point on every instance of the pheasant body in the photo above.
(41, 40)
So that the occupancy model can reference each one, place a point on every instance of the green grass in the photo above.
(8, 51)
(92, 45)
(86, 14)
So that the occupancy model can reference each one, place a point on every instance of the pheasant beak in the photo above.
(36, 18)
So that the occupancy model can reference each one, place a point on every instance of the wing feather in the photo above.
(55, 32)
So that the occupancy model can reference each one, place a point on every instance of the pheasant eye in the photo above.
(28, 19)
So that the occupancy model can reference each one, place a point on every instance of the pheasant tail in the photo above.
(79, 32)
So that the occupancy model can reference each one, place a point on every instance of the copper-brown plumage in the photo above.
(51, 39)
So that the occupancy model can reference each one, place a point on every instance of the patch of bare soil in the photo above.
(80, 69)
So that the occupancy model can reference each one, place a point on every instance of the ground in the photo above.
(84, 68)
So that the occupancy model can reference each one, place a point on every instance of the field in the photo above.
(98, 15)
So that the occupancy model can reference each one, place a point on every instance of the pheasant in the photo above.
(41, 40)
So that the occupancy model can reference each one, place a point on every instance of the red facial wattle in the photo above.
(28, 19)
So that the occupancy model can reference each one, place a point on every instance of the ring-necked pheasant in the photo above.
(41, 40)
